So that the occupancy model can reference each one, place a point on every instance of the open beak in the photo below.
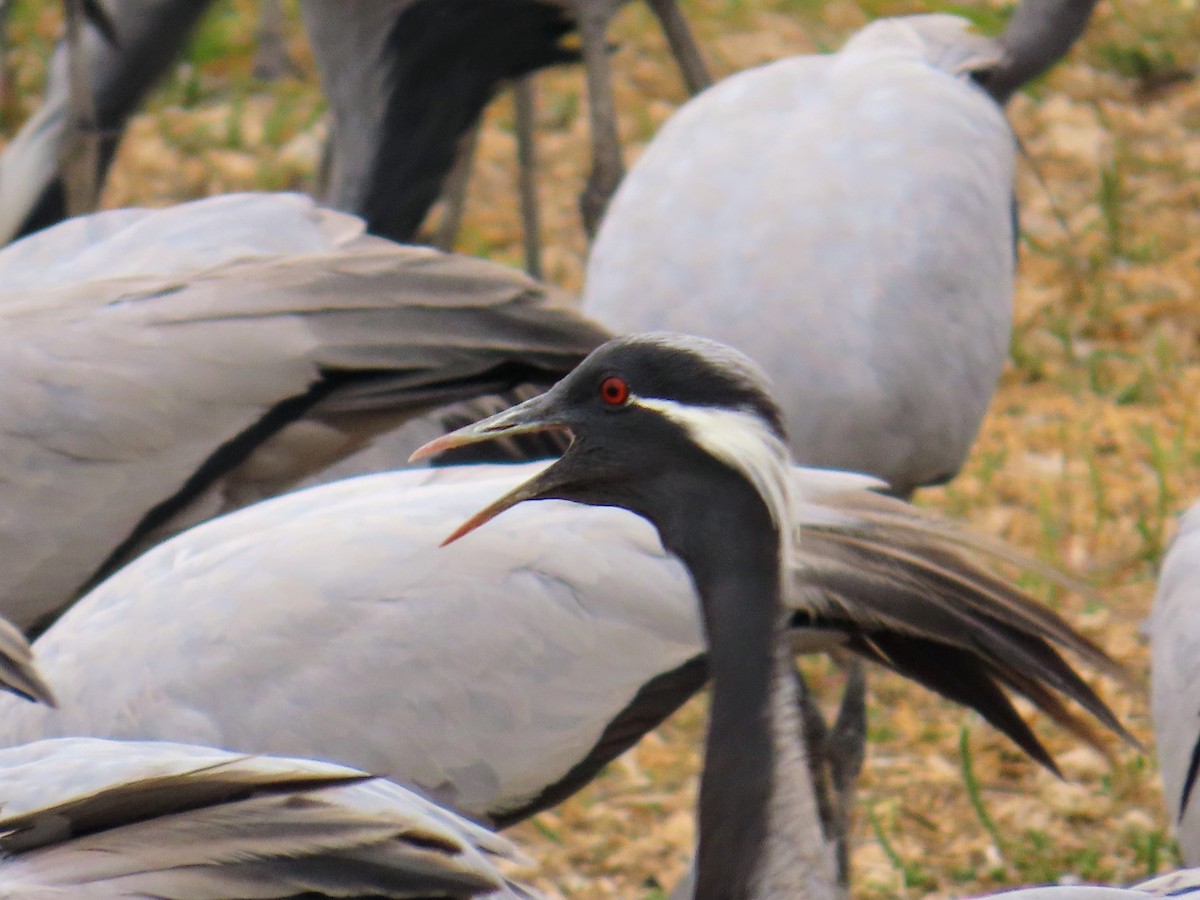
(536, 414)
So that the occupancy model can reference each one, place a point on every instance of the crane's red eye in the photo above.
(613, 390)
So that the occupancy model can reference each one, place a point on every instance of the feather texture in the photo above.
(160, 367)
(93, 818)
(502, 672)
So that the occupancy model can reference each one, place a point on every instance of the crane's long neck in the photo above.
(760, 833)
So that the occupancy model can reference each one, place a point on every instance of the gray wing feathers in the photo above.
(164, 820)
(1175, 679)
(178, 241)
(248, 374)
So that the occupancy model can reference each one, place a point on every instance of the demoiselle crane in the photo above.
(160, 367)
(847, 220)
(683, 432)
(384, 63)
(90, 818)
(500, 675)
(1174, 629)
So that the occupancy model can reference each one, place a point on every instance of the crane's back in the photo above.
(845, 220)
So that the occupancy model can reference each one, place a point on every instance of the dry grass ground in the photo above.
(1091, 449)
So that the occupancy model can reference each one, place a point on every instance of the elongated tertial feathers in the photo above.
(143, 819)
(912, 592)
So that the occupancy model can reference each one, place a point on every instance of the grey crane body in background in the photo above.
(1174, 628)
(373, 61)
(160, 367)
(846, 220)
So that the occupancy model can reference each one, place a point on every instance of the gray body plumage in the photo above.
(323, 624)
(487, 673)
(1174, 628)
(160, 367)
(861, 204)
(90, 818)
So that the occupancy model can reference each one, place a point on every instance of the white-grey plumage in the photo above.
(89, 818)
(1181, 883)
(501, 674)
(1174, 629)
(160, 367)
(847, 220)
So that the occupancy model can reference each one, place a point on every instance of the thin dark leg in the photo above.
(683, 45)
(525, 101)
(271, 59)
(816, 739)
(81, 149)
(454, 196)
(845, 749)
(607, 167)
(7, 95)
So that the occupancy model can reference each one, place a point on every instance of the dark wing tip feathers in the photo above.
(447, 59)
(504, 38)
(1189, 781)
(913, 603)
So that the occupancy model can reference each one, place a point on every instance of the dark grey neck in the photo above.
(1038, 35)
(754, 767)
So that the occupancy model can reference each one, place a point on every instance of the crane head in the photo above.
(644, 412)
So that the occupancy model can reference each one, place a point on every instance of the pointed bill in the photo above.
(536, 414)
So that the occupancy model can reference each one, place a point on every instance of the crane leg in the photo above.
(683, 45)
(271, 59)
(8, 99)
(525, 101)
(816, 739)
(80, 156)
(845, 748)
(835, 760)
(607, 167)
(454, 195)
